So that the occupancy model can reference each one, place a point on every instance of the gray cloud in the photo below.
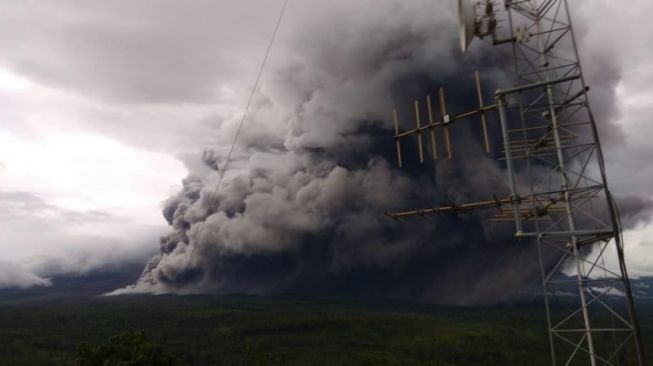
(634, 210)
(20, 206)
(157, 52)
(617, 67)
(300, 209)
(301, 204)
(300, 212)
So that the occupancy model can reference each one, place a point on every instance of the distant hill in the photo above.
(74, 287)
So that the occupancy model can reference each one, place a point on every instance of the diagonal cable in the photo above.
(240, 127)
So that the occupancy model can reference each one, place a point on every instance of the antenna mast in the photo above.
(559, 198)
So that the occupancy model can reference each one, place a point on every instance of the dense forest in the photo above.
(212, 330)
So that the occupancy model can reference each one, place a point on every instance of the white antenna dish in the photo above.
(466, 22)
(475, 18)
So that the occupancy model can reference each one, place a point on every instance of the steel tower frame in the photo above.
(559, 197)
(558, 131)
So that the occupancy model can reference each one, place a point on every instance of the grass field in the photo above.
(211, 330)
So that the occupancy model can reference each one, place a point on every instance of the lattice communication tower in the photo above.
(559, 198)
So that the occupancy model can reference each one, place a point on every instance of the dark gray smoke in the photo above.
(301, 206)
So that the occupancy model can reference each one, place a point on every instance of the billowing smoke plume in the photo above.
(300, 209)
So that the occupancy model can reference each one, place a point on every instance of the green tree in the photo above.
(128, 349)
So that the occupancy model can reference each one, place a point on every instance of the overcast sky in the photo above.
(106, 106)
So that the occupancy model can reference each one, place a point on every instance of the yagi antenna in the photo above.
(445, 122)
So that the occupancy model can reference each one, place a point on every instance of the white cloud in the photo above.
(639, 250)
(10, 82)
(15, 275)
(72, 199)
